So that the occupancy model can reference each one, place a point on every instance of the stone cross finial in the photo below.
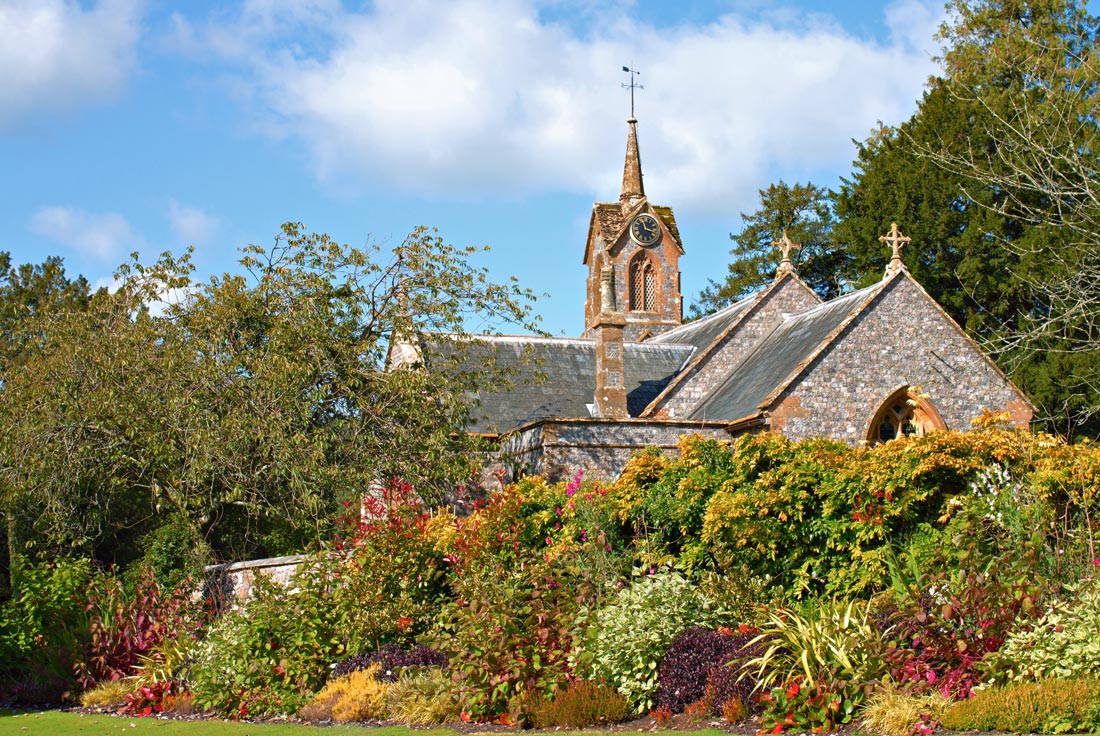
(785, 246)
(895, 240)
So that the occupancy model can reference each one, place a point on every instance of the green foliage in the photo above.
(801, 211)
(358, 696)
(506, 634)
(1049, 706)
(1063, 644)
(395, 578)
(254, 404)
(803, 707)
(836, 649)
(44, 629)
(583, 703)
(425, 697)
(270, 656)
(623, 642)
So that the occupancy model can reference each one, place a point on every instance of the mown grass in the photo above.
(53, 722)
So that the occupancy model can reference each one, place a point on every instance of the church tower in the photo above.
(639, 244)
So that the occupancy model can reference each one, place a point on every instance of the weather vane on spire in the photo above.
(632, 86)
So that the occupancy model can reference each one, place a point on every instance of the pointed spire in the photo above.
(633, 191)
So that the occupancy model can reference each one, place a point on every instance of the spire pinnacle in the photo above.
(785, 245)
(895, 240)
(633, 191)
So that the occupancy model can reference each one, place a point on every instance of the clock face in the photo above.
(645, 230)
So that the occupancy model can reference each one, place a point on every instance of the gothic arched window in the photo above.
(643, 284)
(905, 413)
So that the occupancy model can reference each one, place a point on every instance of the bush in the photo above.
(1063, 644)
(270, 656)
(391, 659)
(700, 657)
(506, 634)
(44, 629)
(359, 696)
(583, 703)
(128, 624)
(1050, 706)
(624, 641)
(891, 712)
(423, 698)
(818, 667)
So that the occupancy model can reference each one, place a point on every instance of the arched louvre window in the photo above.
(643, 284)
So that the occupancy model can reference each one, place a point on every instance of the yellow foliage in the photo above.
(442, 529)
(630, 489)
(891, 712)
(358, 696)
(109, 693)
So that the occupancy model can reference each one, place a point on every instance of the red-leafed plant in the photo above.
(126, 625)
(148, 699)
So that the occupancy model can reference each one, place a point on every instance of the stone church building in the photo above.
(868, 366)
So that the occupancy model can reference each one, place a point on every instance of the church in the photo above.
(866, 367)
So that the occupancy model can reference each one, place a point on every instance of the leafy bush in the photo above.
(270, 656)
(146, 700)
(506, 634)
(625, 640)
(1063, 644)
(818, 667)
(892, 712)
(126, 625)
(391, 659)
(396, 577)
(701, 657)
(358, 696)
(44, 629)
(583, 703)
(947, 629)
(1049, 706)
(425, 697)
(799, 706)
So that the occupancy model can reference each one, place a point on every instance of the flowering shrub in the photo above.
(395, 575)
(625, 640)
(506, 634)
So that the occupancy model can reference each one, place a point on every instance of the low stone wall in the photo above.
(234, 581)
(558, 448)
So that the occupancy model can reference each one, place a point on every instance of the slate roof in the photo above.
(704, 331)
(780, 354)
(557, 378)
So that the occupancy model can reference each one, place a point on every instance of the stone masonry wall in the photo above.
(901, 339)
(235, 581)
(788, 296)
(601, 449)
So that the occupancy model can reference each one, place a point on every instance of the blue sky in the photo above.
(129, 125)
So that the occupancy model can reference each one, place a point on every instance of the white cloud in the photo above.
(102, 236)
(486, 96)
(57, 55)
(190, 225)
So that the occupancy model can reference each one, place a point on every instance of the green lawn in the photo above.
(58, 723)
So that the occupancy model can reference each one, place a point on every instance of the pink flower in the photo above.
(1096, 561)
